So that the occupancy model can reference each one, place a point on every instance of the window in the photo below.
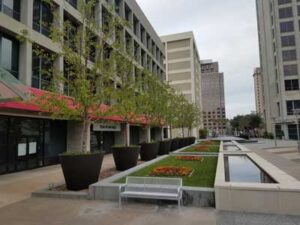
(42, 17)
(135, 26)
(70, 31)
(127, 13)
(286, 26)
(285, 12)
(290, 70)
(289, 55)
(287, 41)
(9, 54)
(281, 2)
(291, 85)
(128, 43)
(42, 63)
(118, 6)
(11, 8)
(298, 9)
(291, 105)
(73, 3)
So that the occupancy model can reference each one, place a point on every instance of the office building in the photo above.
(30, 139)
(213, 98)
(259, 92)
(183, 70)
(279, 42)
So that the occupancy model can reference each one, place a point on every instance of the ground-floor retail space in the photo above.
(28, 143)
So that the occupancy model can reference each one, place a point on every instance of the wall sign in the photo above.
(106, 127)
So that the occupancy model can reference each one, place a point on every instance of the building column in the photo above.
(25, 53)
(145, 134)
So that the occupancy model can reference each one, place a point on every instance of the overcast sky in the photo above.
(225, 31)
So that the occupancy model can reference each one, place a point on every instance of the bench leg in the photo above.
(179, 203)
(120, 202)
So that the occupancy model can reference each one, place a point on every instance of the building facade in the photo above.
(213, 98)
(183, 70)
(29, 139)
(259, 92)
(279, 42)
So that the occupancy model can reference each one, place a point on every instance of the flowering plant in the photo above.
(171, 171)
(190, 158)
(201, 148)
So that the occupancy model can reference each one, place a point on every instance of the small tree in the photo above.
(89, 78)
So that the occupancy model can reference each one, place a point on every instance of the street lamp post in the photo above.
(296, 113)
(274, 129)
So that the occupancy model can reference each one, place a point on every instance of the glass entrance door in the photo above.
(27, 149)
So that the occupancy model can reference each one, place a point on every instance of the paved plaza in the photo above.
(15, 196)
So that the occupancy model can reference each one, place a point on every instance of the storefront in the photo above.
(28, 143)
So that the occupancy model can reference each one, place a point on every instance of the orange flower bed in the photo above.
(201, 148)
(190, 158)
(207, 143)
(171, 171)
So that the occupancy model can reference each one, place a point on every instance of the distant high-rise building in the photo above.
(259, 92)
(279, 40)
(183, 70)
(213, 97)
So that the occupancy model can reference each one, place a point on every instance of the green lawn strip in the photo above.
(203, 174)
(213, 143)
(212, 148)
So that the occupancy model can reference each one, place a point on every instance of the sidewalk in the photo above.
(19, 186)
(285, 156)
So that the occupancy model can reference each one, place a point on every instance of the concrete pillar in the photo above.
(74, 136)
(25, 63)
(120, 136)
(145, 134)
(25, 53)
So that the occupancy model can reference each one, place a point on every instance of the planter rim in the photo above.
(81, 155)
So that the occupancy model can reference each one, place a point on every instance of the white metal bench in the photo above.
(152, 188)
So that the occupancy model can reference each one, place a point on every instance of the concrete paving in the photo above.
(19, 186)
(284, 156)
(37, 211)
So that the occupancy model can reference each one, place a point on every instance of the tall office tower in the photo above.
(213, 97)
(259, 92)
(30, 139)
(279, 40)
(183, 69)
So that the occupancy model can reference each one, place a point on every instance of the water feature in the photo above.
(242, 169)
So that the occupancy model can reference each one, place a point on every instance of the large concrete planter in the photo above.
(126, 157)
(174, 144)
(149, 151)
(164, 147)
(80, 171)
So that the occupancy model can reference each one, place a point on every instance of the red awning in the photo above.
(30, 107)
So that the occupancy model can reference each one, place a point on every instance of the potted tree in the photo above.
(126, 106)
(85, 80)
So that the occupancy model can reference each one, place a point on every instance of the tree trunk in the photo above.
(182, 128)
(171, 132)
(84, 137)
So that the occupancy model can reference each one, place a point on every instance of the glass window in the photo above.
(9, 54)
(42, 17)
(11, 8)
(281, 2)
(287, 41)
(73, 3)
(286, 12)
(291, 85)
(298, 9)
(290, 70)
(42, 65)
(286, 26)
(289, 55)
(291, 105)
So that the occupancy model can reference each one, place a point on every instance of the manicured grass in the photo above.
(212, 142)
(202, 176)
(211, 148)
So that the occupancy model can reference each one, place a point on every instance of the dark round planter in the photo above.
(174, 144)
(80, 171)
(192, 140)
(125, 157)
(181, 143)
(149, 151)
(164, 147)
